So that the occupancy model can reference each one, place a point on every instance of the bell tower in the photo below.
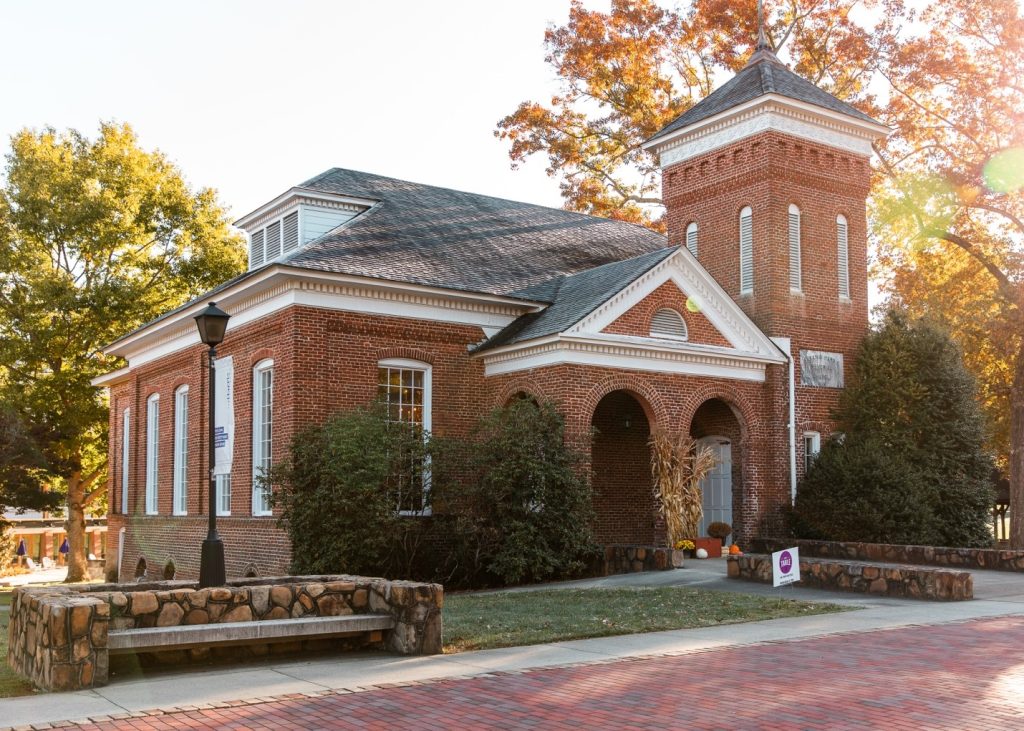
(765, 181)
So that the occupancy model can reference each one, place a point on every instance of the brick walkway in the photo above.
(954, 676)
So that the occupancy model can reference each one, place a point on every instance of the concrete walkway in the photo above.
(997, 594)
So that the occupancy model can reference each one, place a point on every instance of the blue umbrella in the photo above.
(64, 547)
(21, 548)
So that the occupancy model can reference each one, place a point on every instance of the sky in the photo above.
(253, 97)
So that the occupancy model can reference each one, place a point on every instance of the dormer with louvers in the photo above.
(293, 219)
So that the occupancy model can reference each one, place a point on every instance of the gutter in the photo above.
(786, 346)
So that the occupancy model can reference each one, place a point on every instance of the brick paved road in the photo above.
(959, 676)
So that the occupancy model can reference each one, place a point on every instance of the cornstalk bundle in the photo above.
(678, 465)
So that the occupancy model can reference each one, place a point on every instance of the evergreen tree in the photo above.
(913, 444)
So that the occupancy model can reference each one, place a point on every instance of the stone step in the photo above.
(151, 639)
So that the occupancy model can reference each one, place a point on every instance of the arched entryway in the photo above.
(621, 471)
(716, 426)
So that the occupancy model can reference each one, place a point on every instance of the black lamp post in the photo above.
(212, 322)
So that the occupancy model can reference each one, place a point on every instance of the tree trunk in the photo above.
(75, 526)
(1017, 453)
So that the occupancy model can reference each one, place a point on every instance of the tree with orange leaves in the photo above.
(948, 206)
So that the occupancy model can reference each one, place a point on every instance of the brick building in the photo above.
(736, 329)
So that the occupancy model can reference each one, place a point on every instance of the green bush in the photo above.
(340, 492)
(912, 467)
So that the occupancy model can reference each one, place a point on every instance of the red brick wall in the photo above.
(768, 172)
(637, 321)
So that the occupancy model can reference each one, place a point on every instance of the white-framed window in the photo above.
(125, 455)
(404, 387)
(691, 237)
(795, 280)
(152, 452)
(746, 250)
(843, 256)
(667, 323)
(262, 433)
(180, 490)
(223, 488)
(812, 446)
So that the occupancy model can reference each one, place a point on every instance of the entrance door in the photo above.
(717, 486)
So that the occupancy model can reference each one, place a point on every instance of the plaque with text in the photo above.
(818, 368)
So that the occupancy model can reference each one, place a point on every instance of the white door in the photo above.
(717, 486)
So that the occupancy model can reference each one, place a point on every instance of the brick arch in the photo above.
(261, 354)
(649, 398)
(745, 414)
(521, 385)
(404, 352)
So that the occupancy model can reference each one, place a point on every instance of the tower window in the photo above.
(691, 237)
(843, 256)
(746, 250)
(667, 323)
(795, 281)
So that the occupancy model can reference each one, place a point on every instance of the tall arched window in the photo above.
(746, 250)
(843, 256)
(125, 455)
(795, 280)
(404, 387)
(152, 452)
(180, 490)
(691, 237)
(262, 433)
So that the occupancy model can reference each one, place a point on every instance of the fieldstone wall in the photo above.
(912, 582)
(978, 558)
(58, 634)
(633, 559)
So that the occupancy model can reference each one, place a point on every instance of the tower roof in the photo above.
(764, 74)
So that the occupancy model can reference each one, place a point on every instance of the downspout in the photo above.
(786, 345)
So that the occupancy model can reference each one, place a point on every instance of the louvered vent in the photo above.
(257, 254)
(668, 323)
(843, 254)
(746, 251)
(794, 249)
(273, 240)
(290, 240)
(691, 238)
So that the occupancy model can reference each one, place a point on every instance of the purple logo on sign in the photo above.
(785, 562)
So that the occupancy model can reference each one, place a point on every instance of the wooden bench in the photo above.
(158, 639)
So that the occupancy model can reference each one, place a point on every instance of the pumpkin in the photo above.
(734, 550)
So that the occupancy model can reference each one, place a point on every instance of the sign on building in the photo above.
(818, 368)
(785, 567)
(224, 416)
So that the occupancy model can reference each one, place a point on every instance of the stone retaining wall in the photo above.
(977, 558)
(633, 559)
(58, 634)
(913, 582)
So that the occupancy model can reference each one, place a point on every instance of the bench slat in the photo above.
(228, 633)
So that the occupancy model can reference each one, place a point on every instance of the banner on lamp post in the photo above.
(223, 416)
(785, 567)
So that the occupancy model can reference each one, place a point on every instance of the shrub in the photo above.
(912, 467)
(340, 491)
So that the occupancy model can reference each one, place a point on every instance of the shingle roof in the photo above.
(766, 75)
(574, 297)
(447, 238)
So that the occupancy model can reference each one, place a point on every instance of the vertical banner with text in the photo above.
(224, 416)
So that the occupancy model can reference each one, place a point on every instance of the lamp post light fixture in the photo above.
(212, 322)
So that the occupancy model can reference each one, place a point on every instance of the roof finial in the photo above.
(762, 39)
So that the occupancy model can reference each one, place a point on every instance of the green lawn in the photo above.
(476, 621)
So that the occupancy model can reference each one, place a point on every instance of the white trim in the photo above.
(795, 241)
(179, 492)
(125, 457)
(764, 113)
(746, 250)
(152, 454)
(219, 483)
(259, 458)
(630, 353)
(280, 286)
(428, 415)
(815, 440)
(786, 346)
(843, 257)
(293, 195)
(111, 379)
(692, 234)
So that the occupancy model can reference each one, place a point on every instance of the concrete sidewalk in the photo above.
(997, 594)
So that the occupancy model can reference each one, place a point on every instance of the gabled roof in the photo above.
(764, 75)
(441, 237)
(574, 297)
